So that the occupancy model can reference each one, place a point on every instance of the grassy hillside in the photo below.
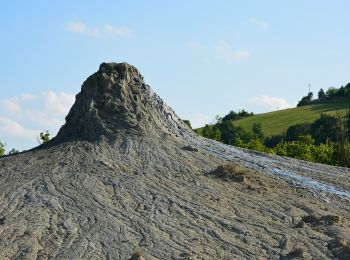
(278, 122)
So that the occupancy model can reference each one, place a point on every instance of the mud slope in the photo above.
(124, 174)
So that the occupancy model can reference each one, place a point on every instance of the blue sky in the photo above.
(202, 57)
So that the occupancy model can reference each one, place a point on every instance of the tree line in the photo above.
(331, 95)
(325, 140)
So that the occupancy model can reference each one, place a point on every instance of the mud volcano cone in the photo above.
(115, 101)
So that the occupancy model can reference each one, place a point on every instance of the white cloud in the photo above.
(12, 128)
(27, 111)
(261, 24)
(80, 27)
(267, 103)
(117, 30)
(229, 55)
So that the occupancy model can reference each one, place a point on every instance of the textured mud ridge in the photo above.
(125, 175)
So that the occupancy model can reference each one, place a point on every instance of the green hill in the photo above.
(278, 122)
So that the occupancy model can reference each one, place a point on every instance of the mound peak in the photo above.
(116, 100)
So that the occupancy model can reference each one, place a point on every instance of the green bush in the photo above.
(2, 149)
(45, 137)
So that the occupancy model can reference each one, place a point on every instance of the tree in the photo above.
(236, 116)
(232, 115)
(45, 137)
(2, 149)
(257, 131)
(294, 131)
(306, 100)
(324, 128)
(211, 132)
(348, 124)
(188, 123)
(272, 141)
(321, 95)
(331, 92)
(228, 131)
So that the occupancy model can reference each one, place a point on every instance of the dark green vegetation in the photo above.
(325, 140)
(332, 95)
(45, 137)
(317, 130)
(2, 149)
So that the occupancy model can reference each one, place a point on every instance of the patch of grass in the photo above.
(277, 122)
(137, 255)
(230, 172)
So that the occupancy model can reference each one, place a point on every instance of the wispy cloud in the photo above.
(97, 32)
(229, 55)
(117, 30)
(268, 103)
(261, 24)
(221, 50)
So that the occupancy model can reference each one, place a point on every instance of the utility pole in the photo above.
(309, 85)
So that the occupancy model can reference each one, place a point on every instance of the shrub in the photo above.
(188, 123)
(230, 172)
(45, 137)
(2, 149)
(256, 145)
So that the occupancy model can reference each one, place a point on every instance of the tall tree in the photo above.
(257, 131)
(294, 131)
(324, 129)
(321, 95)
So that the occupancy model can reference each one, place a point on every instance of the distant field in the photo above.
(278, 122)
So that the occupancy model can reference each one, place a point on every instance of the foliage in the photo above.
(321, 139)
(257, 145)
(13, 151)
(324, 128)
(331, 95)
(294, 131)
(228, 131)
(237, 115)
(306, 100)
(257, 131)
(45, 137)
(211, 132)
(324, 153)
(2, 149)
(272, 141)
(188, 123)
(342, 154)
(322, 95)
(300, 149)
(347, 118)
